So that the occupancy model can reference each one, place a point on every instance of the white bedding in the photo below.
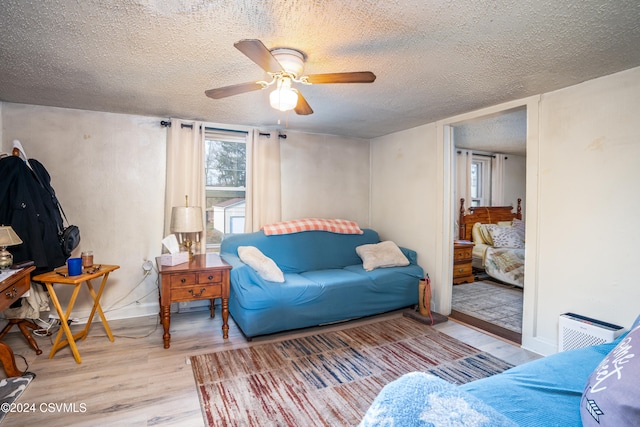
(505, 264)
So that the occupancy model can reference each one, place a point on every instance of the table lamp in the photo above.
(8, 237)
(186, 220)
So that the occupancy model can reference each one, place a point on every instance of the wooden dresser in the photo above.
(11, 289)
(462, 259)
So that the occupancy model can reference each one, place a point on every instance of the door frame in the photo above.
(447, 204)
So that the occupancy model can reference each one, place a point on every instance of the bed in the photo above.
(498, 236)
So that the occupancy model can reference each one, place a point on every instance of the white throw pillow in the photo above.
(383, 254)
(262, 264)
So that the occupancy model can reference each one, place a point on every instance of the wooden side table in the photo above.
(12, 288)
(462, 262)
(60, 276)
(206, 276)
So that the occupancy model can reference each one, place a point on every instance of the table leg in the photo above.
(8, 361)
(98, 308)
(165, 318)
(64, 325)
(225, 317)
(212, 307)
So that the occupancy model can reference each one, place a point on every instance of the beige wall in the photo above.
(582, 174)
(325, 176)
(109, 173)
(515, 171)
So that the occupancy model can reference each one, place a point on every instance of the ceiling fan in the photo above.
(285, 66)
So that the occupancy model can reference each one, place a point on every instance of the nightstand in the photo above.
(462, 262)
(206, 276)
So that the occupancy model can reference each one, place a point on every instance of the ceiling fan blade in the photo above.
(256, 51)
(223, 92)
(302, 107)
(354, 77)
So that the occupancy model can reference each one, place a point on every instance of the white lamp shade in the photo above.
(8, 237)
(186, 219)
(284, 98)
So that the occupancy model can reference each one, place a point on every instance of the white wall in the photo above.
(583, 204)
(108, 173)
(404, 191)
(515, 172)
(325, 176)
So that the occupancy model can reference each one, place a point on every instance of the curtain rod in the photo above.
(165, 123)
(493, 156)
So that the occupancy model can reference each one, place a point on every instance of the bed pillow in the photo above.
(518, 225)
(476, 235)
(612, 394)
(262, 264)
(380, 255)
(506, 237)
(486, 235)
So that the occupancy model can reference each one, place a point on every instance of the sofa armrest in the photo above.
(418, 398)
(411, 255)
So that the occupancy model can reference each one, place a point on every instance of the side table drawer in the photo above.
(186, 279)
(463, 254)
(196, 291)
(461, 270)
(210, 277)
(12, 293)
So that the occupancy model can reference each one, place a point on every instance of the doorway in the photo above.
(489, 159)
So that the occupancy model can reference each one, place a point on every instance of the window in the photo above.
(480, 181)
(225, 174)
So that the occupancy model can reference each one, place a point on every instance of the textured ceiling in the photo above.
(433, 58)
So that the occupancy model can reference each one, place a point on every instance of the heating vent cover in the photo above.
(578, 331)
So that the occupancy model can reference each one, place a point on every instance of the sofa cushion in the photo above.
(299, 252)
(546, 386)
(612, 396)
(380, 255)
(263, 265)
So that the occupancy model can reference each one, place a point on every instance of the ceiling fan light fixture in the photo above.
(284, 97)
(291, 60)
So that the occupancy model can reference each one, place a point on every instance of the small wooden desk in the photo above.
(12, 288)
(206, 276)
(53, 277)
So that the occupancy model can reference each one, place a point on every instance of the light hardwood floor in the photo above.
(134, 381)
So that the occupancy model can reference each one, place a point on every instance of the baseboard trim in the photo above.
(486, 326)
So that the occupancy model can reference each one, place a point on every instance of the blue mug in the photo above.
(74, 266)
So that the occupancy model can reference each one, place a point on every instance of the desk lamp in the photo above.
(8, 237)
(186, 220)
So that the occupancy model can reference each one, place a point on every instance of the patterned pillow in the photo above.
(518, 225)
(611, 396)
(505, 237)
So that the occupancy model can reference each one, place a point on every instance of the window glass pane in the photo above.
(475, 178)
(225, 172)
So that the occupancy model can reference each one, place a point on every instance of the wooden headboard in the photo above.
(484, 215)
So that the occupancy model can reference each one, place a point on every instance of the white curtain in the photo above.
(185, 171)
(463, 179)
(263, 202)
(497, 179)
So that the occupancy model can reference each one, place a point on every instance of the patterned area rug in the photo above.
(10, 389)
(489, 301)
(330, 378)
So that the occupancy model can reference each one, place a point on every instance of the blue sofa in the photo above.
(544, 392)
(325, 281)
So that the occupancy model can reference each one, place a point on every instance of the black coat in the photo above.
(29, 206)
